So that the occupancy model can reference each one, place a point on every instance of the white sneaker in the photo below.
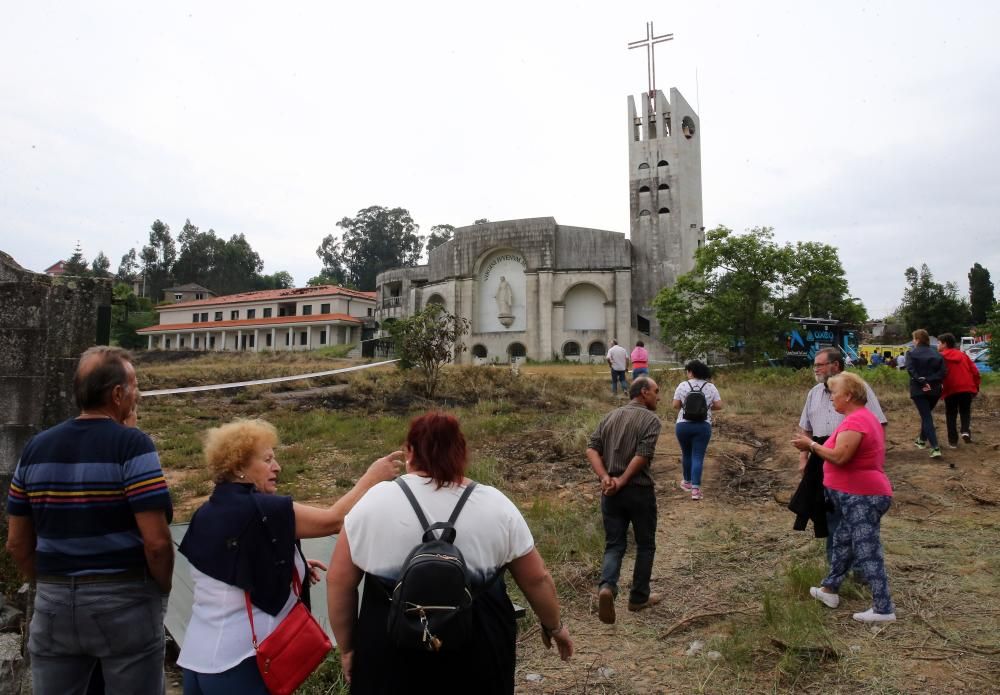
(826, 598)
(870, 616)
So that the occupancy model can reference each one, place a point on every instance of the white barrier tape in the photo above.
(256, 382)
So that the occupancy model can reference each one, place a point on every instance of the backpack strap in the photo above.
(447, 528)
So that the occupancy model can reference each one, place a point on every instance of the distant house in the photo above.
(187, 292)
(303, 318)
(56, 269)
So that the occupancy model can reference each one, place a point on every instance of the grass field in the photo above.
(734, 574)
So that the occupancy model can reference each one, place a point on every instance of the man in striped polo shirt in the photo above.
(620, 452)
(88, 513)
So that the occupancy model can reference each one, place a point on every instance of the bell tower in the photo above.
(665, 216)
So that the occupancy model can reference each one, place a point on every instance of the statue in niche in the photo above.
(505, 301)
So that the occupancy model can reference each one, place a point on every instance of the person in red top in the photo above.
(960, 385)
(854, 475)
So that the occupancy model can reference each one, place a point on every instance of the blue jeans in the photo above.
(925, 405)
(636, 505)
(117, 624)
(616, 376)
(242, 679)
(693, 438)
(857, 543)
(639, 371)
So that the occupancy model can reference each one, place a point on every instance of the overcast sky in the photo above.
(870, 126)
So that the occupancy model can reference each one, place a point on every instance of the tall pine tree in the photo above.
(981, 296)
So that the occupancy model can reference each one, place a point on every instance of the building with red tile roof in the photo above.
(301, 318)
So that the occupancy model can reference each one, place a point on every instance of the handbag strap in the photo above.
(296, 582)
(296, 588)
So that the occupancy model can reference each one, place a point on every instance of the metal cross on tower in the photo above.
(649, 42)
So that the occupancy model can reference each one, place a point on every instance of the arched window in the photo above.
(584, 308)
(516, 350)
(644, 213)
(662, 163)
(596, 349)
(479, 351)
(644, 166)
(644, 189)
(688, 127)
(663, 211)
(571, 349)
(435, 299)
(663, 187)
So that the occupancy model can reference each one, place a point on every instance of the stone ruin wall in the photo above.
(45, 323)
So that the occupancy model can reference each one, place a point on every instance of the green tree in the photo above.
(199, 258)
(732, 295)
(333, 272)
(427, 341)
(440, 233)
(100, 266)
(981, 298)
(817, 285)
(931, 305)
(77, 266)
(374, 240)
(238, 270)
(281, 280)
(127, 268)
(158, 257)
(991, 327)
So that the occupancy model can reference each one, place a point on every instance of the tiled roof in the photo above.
(289, 294)
(247, 323)
(188, 287)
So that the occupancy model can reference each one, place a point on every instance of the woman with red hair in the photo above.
(491, 534)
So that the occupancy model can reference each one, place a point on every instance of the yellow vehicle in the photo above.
(886, 351)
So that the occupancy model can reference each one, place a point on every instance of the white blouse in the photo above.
(383, 528)
(218, 636)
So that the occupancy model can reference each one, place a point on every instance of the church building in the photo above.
(537, 289)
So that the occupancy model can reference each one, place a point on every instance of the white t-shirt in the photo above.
(383, 528)
(218, 636)
(707, 387)
(618, 357)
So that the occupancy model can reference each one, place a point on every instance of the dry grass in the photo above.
(735, 576)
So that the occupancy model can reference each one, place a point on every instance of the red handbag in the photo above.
(297, 646)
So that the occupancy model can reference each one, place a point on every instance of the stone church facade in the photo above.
(537, 289)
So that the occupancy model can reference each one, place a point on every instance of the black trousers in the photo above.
(957, 406)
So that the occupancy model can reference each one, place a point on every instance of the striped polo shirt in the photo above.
(82, 482)
(624, 433)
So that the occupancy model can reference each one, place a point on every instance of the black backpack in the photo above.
(430, 603)
(695, 404)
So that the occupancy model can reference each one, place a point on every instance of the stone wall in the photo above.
(45, 323)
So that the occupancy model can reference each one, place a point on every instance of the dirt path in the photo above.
(717, 557)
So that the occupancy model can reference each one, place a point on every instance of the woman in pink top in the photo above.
(856, 484)
(640, 359)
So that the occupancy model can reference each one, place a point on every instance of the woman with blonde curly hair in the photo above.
(245, 539)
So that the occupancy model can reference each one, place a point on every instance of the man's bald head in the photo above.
(100, 370)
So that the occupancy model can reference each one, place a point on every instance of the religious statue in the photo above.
(505, 301)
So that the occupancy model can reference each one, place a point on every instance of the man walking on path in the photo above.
(617, 359)
(620, 452)
(819, 420)
(88, 517)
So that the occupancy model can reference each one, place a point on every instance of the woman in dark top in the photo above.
(927, 371)
(245, 539)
